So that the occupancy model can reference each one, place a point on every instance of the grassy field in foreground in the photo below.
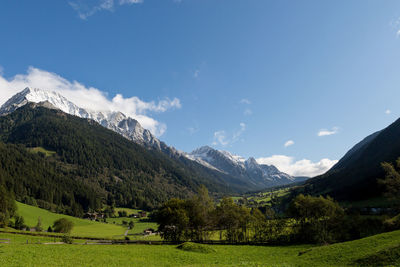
(82, 227)
(18, 253)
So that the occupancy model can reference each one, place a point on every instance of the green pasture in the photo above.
(82, 227)
(366, 251)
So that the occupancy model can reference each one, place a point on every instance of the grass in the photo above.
(46, 152)
(86, 228)
(265, 197)
(82, 227)
(374, 251)
(128, 211)
(138, 228)
(385, 257)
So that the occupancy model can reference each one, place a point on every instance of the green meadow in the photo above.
(82, 227)
(113, 229)
(42, 150)
(363, 252)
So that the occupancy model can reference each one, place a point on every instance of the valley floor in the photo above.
(369, 250)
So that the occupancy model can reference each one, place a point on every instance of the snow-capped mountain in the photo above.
(116, 121)
(258, 174)
(222, 164)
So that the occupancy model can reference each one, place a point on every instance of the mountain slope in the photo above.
(258, 175)
(355, 176)
(116, 121)
(117, 169)
(236, 173)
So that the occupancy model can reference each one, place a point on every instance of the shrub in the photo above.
(392, 224)
(19, 223)
(194, 247)
(67, 239)
(63, 225)
(38, 226)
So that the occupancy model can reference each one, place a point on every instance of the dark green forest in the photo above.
(91, 166)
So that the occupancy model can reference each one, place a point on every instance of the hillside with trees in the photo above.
(88, 166)
(356, 175)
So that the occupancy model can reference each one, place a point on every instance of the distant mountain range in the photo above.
(259, 175)
(237, 172)
(32, 118)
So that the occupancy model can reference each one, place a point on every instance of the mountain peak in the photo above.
(249, 171)
(116, 121)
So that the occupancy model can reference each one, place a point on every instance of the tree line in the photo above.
(307, 219)
(92, 165)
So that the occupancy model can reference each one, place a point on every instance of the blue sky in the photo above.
(243, 76)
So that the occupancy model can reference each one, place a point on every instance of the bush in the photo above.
(19, 223)
(194, 247)
(392, 224)
(38, 226)
(122, 213)
(67, 239)
(63, 225)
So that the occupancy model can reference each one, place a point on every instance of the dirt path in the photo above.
(127, 230)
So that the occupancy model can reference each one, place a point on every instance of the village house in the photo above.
(93, 216)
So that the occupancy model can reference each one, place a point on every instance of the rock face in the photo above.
(248, 170)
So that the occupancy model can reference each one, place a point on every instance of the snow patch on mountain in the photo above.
(116, 121)
(247, 170)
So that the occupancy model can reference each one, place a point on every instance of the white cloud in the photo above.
(238, 133)
(395, 24)
(326, 132)
(388, 111)
(221, 137)
(289, 143)
(88, 97)
(245, 101)
(248, 112)
(130, 2)
(86, 9)
(302, 167)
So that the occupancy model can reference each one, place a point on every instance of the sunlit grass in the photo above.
(18, 253)
(82, 227)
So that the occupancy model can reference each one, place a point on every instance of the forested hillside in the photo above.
(91, 165)
(355, 176)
